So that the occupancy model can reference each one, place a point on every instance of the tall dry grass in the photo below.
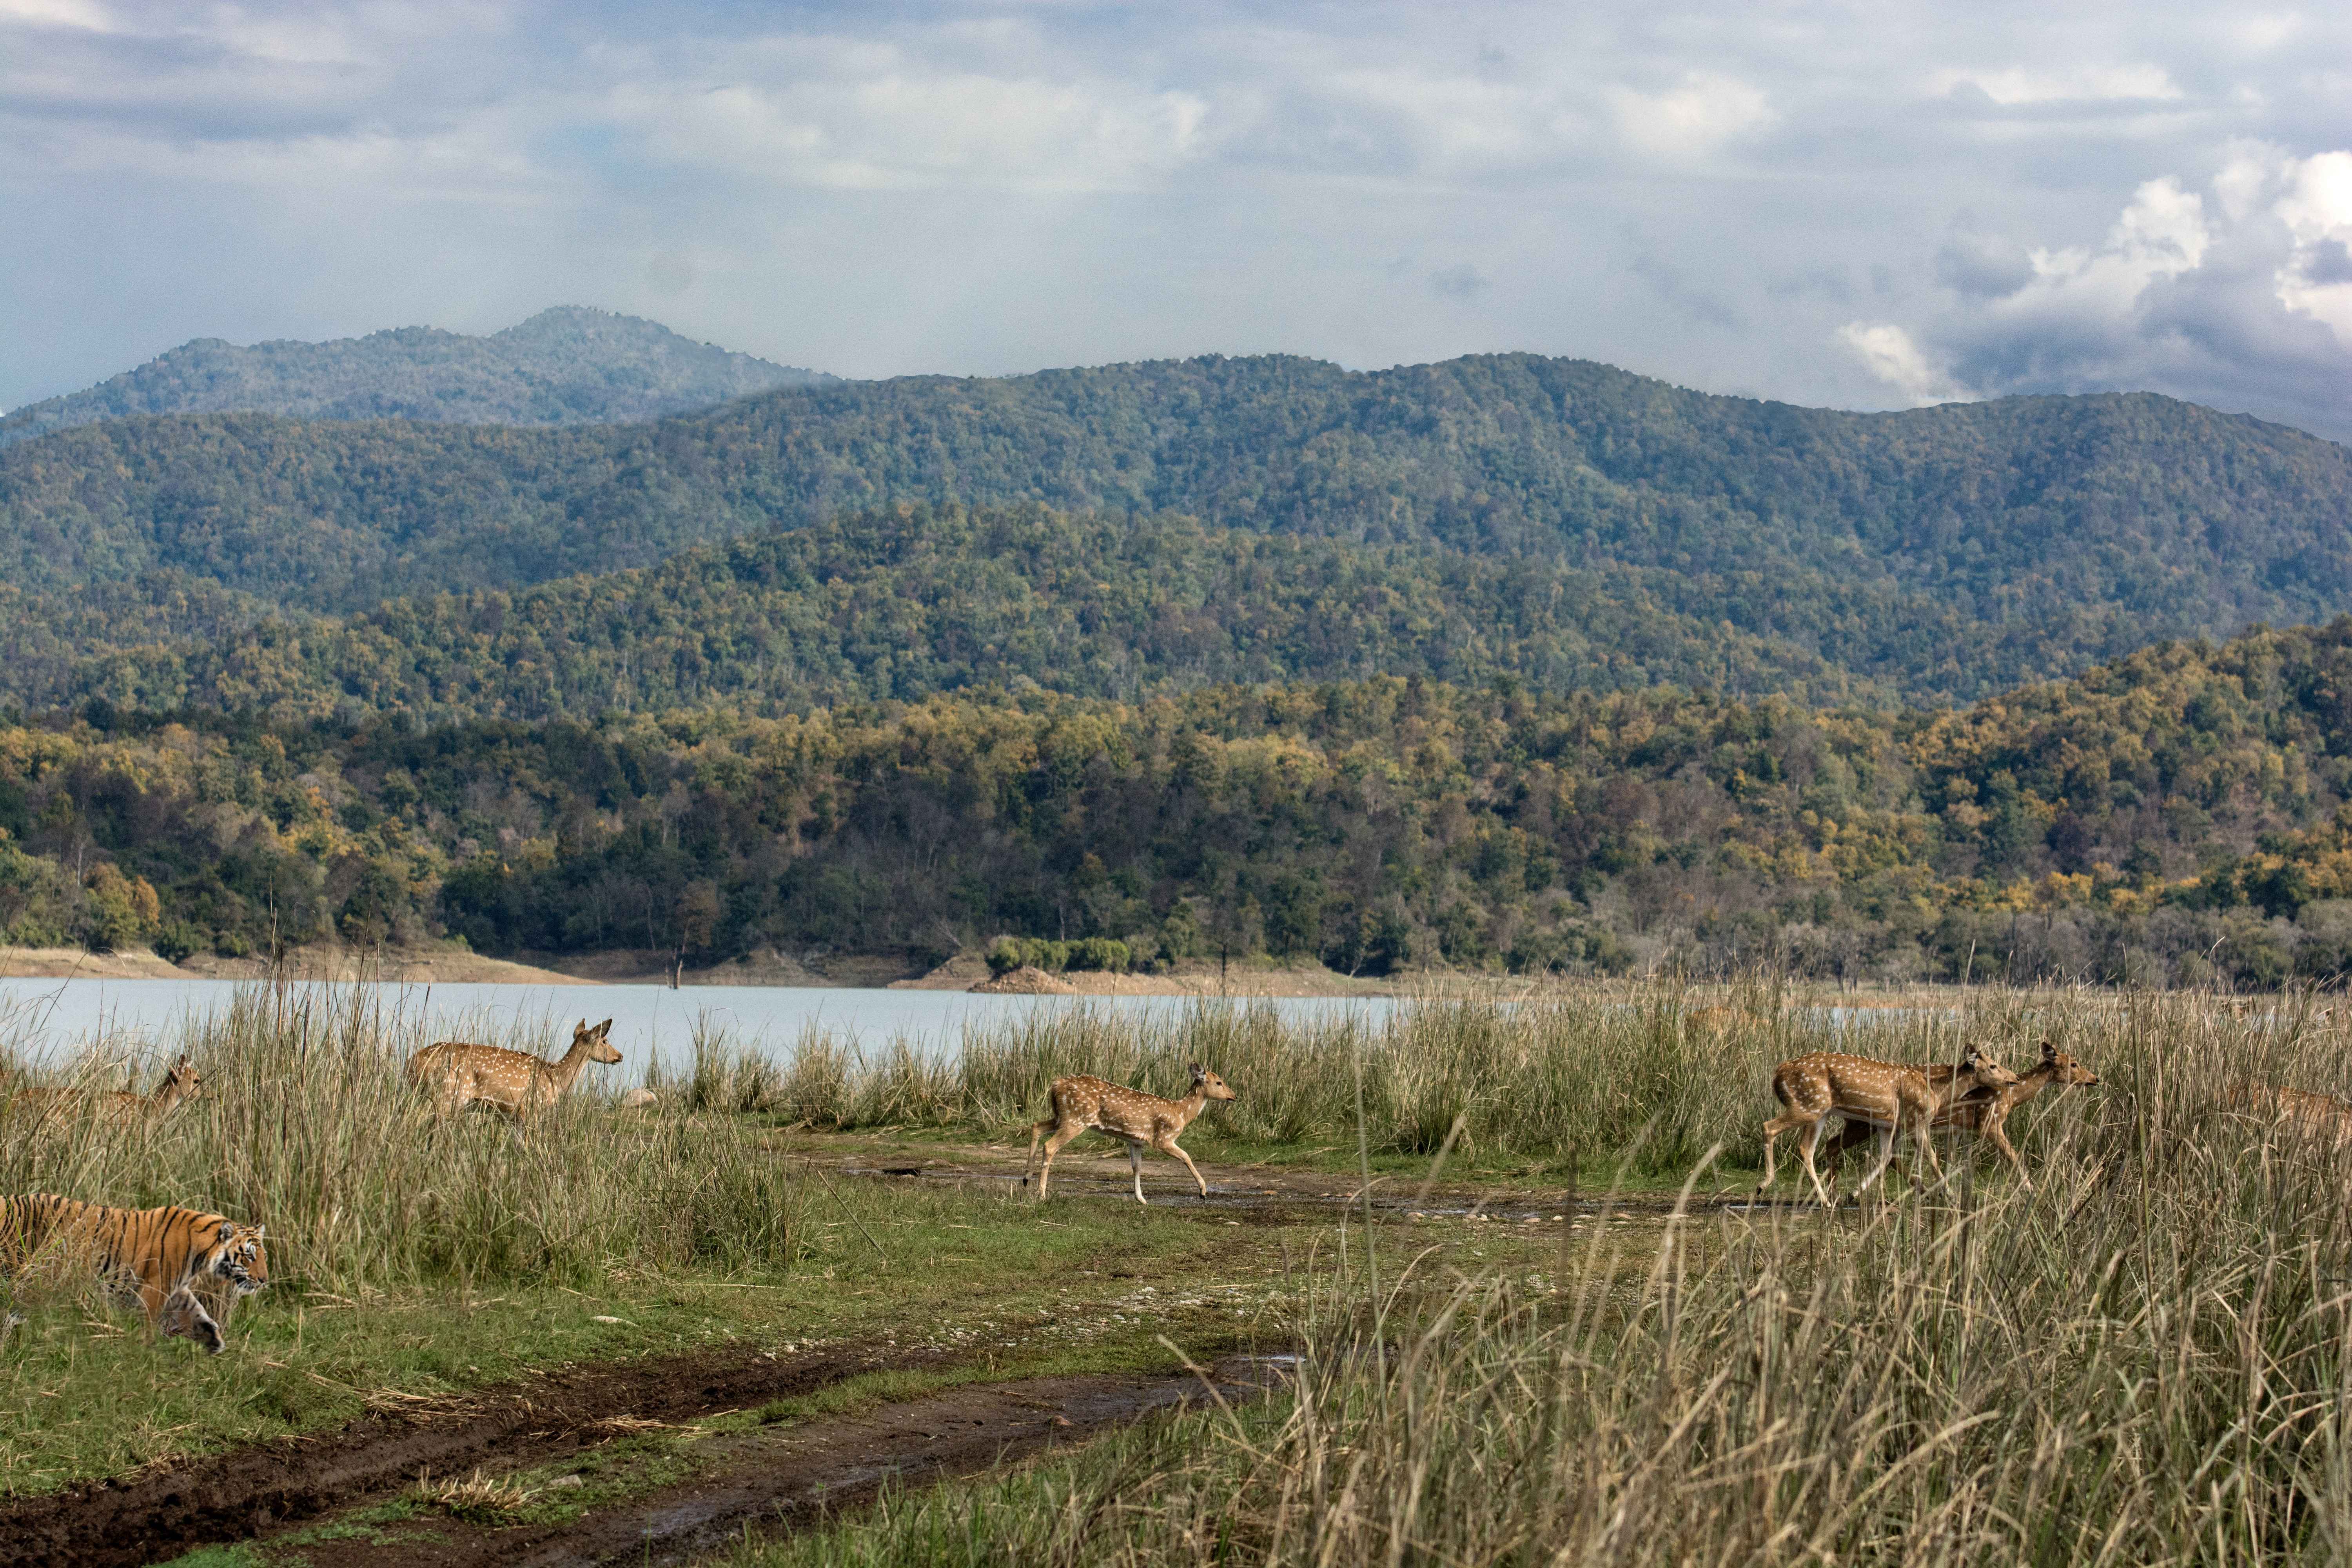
(1654, 1077)
(306, 1125)
(2146, 1358)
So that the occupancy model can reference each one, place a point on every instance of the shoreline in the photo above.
(968, 973)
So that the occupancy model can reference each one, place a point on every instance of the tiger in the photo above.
(167, 1260)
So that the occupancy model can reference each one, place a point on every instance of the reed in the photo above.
(2145, 1359)
(1641, 1076)
(306, 1125)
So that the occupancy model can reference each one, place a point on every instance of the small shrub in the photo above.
(1101, 952)
(180, 939)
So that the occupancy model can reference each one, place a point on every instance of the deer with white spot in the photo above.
(1985, 1113)
(515, 1084)
(1084, 1103)
(122, 1107)
(1887, 1095)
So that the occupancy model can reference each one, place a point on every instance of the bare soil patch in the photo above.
(151, 1516)
(777, 1480)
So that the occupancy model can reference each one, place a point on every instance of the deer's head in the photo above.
(2064, 1069)
(1211, 1086)
(182, 1082)
(597, 1042)
(1989, 1074)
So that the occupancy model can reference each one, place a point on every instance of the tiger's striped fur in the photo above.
(159, 1257)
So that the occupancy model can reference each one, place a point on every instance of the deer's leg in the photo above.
(1924, 1129)
(1805, 1142)
(1054, 1146)
(1168, 1146)
(1037, 1130)
(1787, 1122)
(1885, 1158)
(1135, 1163)
(1850, 1135)
(1994, 1129)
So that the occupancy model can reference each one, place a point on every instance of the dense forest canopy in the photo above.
(563, 366)
(2185, 813)
(900, 604)
(1949, 552)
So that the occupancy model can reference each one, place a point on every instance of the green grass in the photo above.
(2143, 1359)
(78, 1400)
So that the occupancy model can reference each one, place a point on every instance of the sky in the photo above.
(1868, 206)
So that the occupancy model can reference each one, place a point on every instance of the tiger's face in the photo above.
(241, 1260)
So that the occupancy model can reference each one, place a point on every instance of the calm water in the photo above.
(41, 1019)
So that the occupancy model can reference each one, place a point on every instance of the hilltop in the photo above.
(569, 365)
(1938, 553)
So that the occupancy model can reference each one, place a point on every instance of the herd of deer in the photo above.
(1875, 1099)
(451, 1075)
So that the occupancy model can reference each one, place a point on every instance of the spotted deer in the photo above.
(515, 1084)
(1084, 1102)
(1887, 1095)
(181, 1083)
(1984, 1113)
(2323, 1116)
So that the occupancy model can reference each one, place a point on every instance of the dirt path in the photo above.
(787, 1478)
(1251, 1194)
(147, 1517)
(783, 1476)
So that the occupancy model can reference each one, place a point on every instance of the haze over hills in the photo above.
(1939, 554)
(569, 365)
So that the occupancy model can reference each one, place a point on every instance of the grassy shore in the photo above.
(2143, 1358)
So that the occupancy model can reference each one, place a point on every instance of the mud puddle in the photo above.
(151, 1516)
(776, 1480)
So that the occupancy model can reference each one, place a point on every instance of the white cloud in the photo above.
(2244, 300)
(2317, 279)
(1703, 113)
(876, 119)
(1887, 351)
(2016, 86)
(1813, 202)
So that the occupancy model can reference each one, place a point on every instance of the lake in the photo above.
(42, 1019)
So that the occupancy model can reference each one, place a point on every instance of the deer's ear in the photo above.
(605, 1027)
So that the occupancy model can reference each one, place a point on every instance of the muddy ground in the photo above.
(352, 1494)
(327, 1495)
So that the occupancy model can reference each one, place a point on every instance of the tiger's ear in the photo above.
(256, 1230)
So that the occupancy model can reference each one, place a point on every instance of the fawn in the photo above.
(1887, 1095)
(181, 1083)
(515, 1084)
(1983, 1112)
(1084, 1102)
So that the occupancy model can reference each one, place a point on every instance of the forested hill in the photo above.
(1944, 552)
(901, 604)
(564, 366)
(2184, 812)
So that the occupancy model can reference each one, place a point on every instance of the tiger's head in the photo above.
(238, 1256)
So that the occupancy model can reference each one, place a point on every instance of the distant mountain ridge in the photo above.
(568, 365)
(1939, 554)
